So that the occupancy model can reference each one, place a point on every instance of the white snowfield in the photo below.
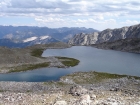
(34, 38)
(30, 39)
(44, 37)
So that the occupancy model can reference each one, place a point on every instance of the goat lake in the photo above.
(91, 59)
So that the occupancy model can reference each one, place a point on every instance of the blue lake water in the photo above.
(91, 59)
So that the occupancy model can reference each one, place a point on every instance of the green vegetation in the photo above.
(29, 67)
(1, 91)
(28, 91)
(69, 62)
(37, 52)
(49, 83)
(94, 77)
(61, 84)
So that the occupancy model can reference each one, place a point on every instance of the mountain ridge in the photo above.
(27, 42)
(28, 31)
(12, 36)
(108, 35)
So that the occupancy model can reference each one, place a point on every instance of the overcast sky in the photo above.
(97, 14)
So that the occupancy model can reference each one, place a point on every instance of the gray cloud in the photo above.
(71, 7)
(37, 4)
(134, 3)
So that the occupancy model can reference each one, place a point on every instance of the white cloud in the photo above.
(92, 20)
(49, 20)
(110, 21)
(81, 21)
(130, 22)
(65, 7)
(80, 12)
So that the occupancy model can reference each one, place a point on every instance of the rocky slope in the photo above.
(84, 39)
(108, 35)
(11, 43)
(24, 58)
(23, 36)
(82, 88)
(129, 45)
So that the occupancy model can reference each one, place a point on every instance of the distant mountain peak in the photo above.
(28, 35)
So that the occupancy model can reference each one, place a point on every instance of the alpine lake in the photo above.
(91, 59)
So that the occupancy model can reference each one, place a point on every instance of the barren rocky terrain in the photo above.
(122, 39)
(16, 59)
(107, 35)
(128, 45)
(82, 88)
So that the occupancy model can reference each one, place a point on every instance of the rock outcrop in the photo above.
(102, 92)
(77, 90)
(16, 59)
(84, 39)
(108, 35)
(128, 45)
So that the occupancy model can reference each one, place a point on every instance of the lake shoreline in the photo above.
(109, 88)
(124, 45)
(29, 58)
(98, 60)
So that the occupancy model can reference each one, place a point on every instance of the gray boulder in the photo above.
(78, 90)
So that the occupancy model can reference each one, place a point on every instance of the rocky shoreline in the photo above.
(126, 45)
(23, 59)
(81, 88)
(67, 91)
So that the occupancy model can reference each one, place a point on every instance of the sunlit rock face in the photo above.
(84, 39)
(108, 35)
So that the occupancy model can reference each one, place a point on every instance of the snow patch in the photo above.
(44, 37)
(30, 39)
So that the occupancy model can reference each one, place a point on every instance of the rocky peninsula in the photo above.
(23, 59)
